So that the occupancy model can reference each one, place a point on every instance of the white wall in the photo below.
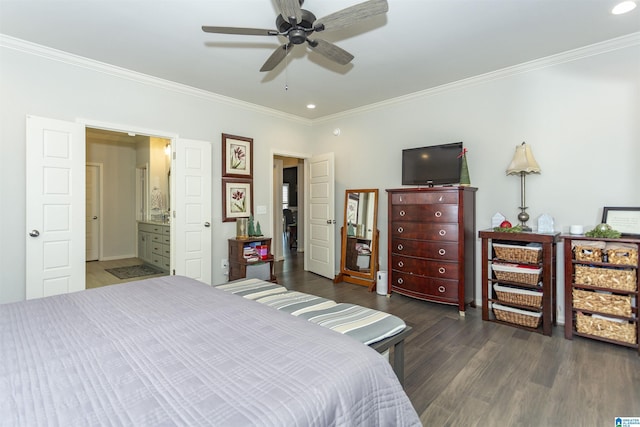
(581, 118)
(118, 161)
(37, 82)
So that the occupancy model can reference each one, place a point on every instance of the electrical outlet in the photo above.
(224, 264)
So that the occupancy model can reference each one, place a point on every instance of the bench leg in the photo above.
(398, 361)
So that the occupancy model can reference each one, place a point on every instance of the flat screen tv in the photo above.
(433, 165)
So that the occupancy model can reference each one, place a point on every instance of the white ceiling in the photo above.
(417, 45)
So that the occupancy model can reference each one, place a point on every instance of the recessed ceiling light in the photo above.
(624, 7)
(311, 106)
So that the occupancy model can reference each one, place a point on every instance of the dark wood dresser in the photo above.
(431, 249)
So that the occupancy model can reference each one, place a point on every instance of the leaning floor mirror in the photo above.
(359, 257)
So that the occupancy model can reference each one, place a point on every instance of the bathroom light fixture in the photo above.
(167, 149)
(624, 7)
(523, 164)
(311, 106)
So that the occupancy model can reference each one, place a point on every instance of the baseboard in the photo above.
(118, 257)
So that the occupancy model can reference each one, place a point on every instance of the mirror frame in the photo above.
(353, 276)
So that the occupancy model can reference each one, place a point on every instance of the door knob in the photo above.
(206, 224)
(34, 233)
(95, 217)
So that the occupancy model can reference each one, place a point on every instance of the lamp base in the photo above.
(523, 217)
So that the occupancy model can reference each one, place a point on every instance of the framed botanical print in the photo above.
(237, 156)
(624, 220)
(237, 199)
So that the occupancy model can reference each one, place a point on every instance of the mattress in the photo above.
(175, 351)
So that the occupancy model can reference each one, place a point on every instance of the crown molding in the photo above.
(617, 43)
(629, 40)
(101, 67)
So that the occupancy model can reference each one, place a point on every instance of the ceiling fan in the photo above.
(297, 24)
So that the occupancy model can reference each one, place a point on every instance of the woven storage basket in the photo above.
(519, 317)
(588, 251)
(513, 273)
(606, 328)
(619, 305)
(622, 254)
(612, 278)
(515, 253)
(518, 296)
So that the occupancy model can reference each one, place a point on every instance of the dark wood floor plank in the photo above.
(466, 372)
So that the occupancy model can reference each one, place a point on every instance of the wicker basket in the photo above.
(515, 253)
(622, 254)
(588, 251)
(518, 296)
(611, 278)
(517, 274)
(519, 317)
(612, 329)
(619, 305)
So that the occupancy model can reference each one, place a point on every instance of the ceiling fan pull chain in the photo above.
(286, 69)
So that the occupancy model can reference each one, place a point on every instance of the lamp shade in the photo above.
(523, 161)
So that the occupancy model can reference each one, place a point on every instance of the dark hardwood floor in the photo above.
(466, 372)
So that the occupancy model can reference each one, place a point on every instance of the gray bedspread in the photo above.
(173, 351)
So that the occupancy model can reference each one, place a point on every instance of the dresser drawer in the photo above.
(425, 213)
(152, 228)
(447, 197)
(422, 267)
(157, 248)
(446, 251)
(425, 231)
(424, 287)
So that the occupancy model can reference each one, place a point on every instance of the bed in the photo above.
(175, 351)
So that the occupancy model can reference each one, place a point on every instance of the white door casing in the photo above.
(93, 216)
(191, 210)
(320, 216)
(55, 194)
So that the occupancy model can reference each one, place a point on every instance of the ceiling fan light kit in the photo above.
(297, 24)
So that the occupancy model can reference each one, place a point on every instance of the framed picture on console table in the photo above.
(624, 220)
(237, 156)
(237, 199)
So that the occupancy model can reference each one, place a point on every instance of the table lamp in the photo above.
(523, 164)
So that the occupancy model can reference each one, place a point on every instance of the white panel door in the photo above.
(191, 221)
(55, 217)
(92, 214)
(320, 253)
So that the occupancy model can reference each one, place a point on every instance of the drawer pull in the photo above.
(402, 213)
(400, 281)
(441, 199)
(442, 270)
(400, 264)
(441, 289)
(442, 232)
(442, 251)
(438, 214)
(400, 229)
(400, 247)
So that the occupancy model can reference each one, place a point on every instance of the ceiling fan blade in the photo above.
(276, 57)
(241, 31)
(331, 51)
(290, 9)
(345, 17)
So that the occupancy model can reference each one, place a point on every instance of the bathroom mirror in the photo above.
(359, 259)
